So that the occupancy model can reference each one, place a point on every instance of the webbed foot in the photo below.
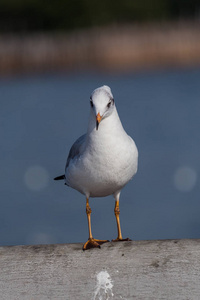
(121, 240)
(93, 243)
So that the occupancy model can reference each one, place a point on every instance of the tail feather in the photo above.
(60, 177)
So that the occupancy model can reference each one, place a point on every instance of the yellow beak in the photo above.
(98, 120)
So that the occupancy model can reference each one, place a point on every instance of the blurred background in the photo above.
(53, 54)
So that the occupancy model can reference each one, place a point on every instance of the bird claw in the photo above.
(121, 240)
(93, 243)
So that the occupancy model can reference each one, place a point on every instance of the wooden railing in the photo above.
(164, 269)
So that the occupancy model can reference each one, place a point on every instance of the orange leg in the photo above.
(91, 243)
(117, 212)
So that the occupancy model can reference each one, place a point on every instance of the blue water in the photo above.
(41, 116)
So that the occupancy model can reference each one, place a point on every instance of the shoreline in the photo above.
(110, 49)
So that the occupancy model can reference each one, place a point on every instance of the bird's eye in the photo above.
(111, 102)
(91, 103)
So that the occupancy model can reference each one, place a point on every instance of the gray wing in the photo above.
(75, 149)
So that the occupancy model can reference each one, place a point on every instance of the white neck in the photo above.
(107, 126)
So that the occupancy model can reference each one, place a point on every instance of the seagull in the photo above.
(102, 161)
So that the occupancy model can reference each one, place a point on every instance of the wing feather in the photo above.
(75, 149)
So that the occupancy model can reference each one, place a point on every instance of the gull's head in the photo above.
(102, 103)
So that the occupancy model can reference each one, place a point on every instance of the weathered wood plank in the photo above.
(165, 269)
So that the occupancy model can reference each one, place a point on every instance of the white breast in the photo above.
(108, 161)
